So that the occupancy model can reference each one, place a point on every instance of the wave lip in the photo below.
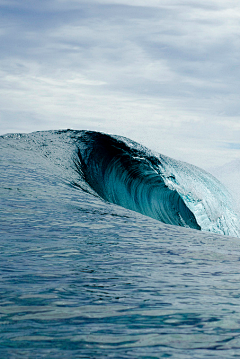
(123, 172)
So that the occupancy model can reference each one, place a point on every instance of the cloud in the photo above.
(165, 74)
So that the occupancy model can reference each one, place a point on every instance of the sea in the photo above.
(82, 276)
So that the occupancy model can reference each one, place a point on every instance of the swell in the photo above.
(126, 174)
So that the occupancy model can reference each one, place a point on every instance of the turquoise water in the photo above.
(81, 278)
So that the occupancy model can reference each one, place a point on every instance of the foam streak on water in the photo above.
(82, 278)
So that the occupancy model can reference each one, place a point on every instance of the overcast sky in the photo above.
(164, 73)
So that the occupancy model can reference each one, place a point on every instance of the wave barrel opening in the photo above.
(128, 174)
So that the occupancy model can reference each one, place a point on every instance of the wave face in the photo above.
(123, 172)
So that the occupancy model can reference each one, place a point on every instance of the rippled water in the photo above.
(84, 279)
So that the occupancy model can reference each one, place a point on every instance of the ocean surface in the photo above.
(84, 277)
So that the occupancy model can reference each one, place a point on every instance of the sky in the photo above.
(164, 73)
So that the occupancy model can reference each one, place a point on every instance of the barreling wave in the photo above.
(123, 172)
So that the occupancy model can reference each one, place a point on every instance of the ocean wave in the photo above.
(123, 172)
